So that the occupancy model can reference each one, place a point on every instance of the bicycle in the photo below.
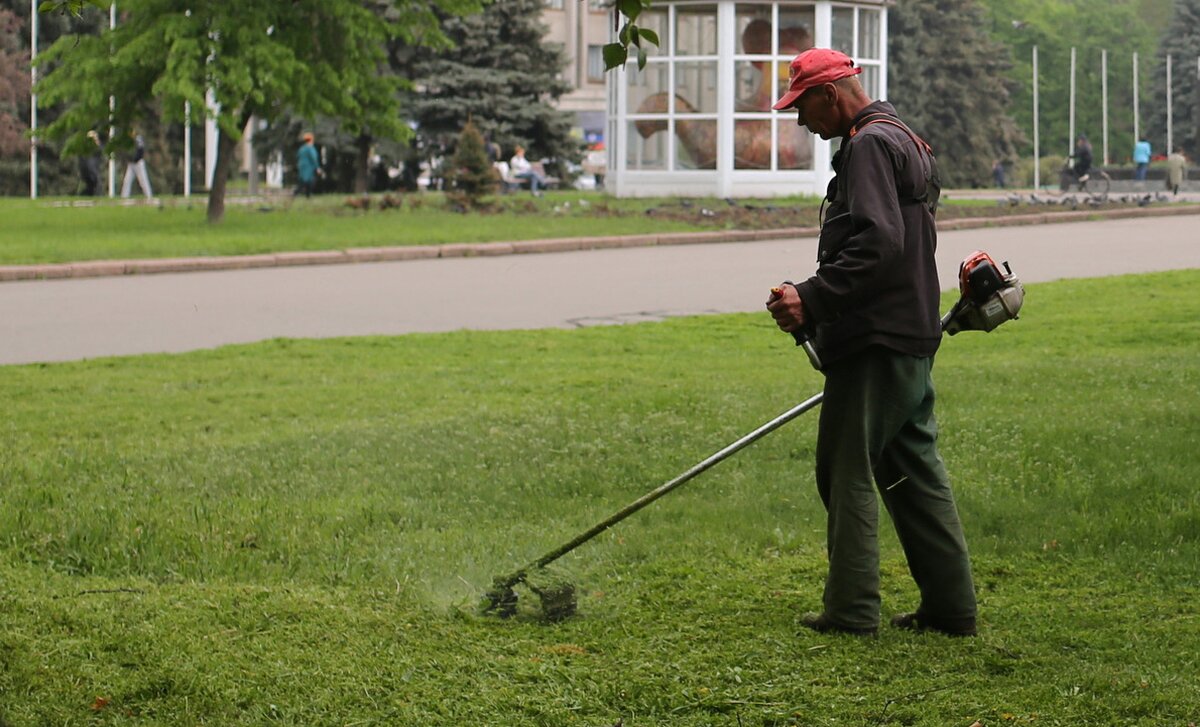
(1094, 184)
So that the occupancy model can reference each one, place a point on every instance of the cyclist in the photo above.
(1083, 158)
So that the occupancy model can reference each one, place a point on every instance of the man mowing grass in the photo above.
(872, 305)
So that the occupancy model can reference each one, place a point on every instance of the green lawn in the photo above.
(39, 232)
(55, 231)
(297, 532)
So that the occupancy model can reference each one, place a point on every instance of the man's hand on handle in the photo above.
(787, 308)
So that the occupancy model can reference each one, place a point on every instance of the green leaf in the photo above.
(641, 58)
(631, 8)
(623, 35)
(648, 35)
(634, 39)
(615, 56)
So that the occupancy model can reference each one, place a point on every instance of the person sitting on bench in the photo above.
(522, 169)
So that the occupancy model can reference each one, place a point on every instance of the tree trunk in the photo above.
(362, 163)
(216, 193)
(225, 153)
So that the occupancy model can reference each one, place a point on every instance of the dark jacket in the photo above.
(876, 281)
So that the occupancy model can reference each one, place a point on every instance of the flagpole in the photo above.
(33, 120)
(112, 107)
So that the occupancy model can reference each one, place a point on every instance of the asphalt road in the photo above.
(61, 320)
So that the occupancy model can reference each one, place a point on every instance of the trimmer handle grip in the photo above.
(801, 336)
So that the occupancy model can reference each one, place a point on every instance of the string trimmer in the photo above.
(989, 297)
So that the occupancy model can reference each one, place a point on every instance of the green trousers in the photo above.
(877, 429)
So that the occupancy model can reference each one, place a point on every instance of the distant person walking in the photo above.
(1176, 166)
(998, 173)
(89, 166)
(308, 165)
(137, 168)
(1141, 158)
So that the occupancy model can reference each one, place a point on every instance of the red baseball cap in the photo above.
(812, 68)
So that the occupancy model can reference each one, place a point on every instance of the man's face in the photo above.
(815, 110)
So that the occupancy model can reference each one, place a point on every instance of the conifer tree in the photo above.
(471, 175)
(1182, 42)
(947, 81)
(502, 73)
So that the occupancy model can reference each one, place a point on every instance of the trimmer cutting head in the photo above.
(557, 597)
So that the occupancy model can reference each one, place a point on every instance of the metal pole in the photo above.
(187, 149)
(1071, 141)
(1170, 119)
(112, 107)
(33, 152)
(1136, 129)
(663, 489)
(1037, 172)
(1104, 100)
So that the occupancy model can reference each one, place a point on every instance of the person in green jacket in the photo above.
(308, 164)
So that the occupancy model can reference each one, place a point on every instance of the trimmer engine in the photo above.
(989, 296)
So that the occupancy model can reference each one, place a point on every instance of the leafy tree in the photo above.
(14, 84)
(75, 7)
(960, 107)
(1181, 41)
(258, 56)
(1090, 26)
(349, 142)
(56, 175)
(502, 73)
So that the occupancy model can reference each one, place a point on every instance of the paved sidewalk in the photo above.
(61, 320)
(112, 268)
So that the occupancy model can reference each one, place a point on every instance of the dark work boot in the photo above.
(820, 623)
(919, 622)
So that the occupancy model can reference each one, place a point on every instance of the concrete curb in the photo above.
(113, 268)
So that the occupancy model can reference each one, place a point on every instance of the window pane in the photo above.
(795, 145)
(843, 30)
(646, 145)
(695, 30)
(696, 87)
(870, 80)
(868, 34)
(595, 63)
(695, 144)
(796, 24)
(554, 4)
(753, 29)
(752, 144)
(647, 88)
(752, 86)
(656, 20)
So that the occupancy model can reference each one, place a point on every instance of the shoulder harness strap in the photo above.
(932, 192)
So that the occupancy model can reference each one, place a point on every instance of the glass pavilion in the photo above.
(697, 120)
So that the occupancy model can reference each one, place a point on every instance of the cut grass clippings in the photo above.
(298, 531)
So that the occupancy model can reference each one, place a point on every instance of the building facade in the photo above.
(582, 27)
